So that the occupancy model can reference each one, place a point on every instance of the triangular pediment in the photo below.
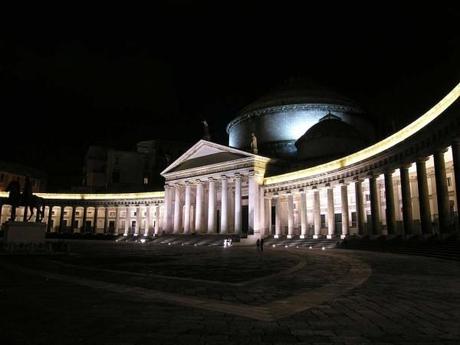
(206, 153)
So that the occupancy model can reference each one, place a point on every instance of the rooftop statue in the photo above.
(206, 135)
(254, 143)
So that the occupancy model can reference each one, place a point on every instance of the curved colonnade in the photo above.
(408, 183)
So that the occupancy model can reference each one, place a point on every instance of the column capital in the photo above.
(422, 159)
(211, 179)
(439, 151)
(237, 176)
(405, 166)
(389, 171)
(223, 177)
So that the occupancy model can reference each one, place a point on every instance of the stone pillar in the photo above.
(262, 213)
(72, 220)
(238, 212)
(390, 203)
(212, 206)
(117, 220)
(268, 216)
(157, 219)
(303, 214)
(375, 210)
(277, 217)
(138, 220)
(344, 206)
(50, 218)
(96, 209)
(406, 199)
(106, 218)
(456, 162)
(224, 206)
(442, 191)
(26, 209)
(290, 204)
(127, 221)
(253, 204)
(423, 197)
(177, 210)
(167, 227)
(188, 197)
(61, 218)
(316, 213)
(83, 226)
(148, 218)
(359, 207)
(199, 207)
(330, 213)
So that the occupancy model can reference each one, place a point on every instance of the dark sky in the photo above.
(71, 77)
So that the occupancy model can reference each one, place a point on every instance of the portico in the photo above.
(221, 185)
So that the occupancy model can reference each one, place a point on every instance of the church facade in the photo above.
(407, 183)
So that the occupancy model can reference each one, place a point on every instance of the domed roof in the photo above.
(299, 91)
(328, 138)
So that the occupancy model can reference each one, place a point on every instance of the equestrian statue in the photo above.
(26, 199)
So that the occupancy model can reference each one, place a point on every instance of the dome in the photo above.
(299, 91)
(329, 138)
(281, 117)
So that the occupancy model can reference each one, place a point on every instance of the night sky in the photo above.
(76, 77)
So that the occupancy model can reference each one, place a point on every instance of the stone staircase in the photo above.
(434, 246)
(182, 240)
(297, 242)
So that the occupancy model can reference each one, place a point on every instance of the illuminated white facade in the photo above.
(407, 184)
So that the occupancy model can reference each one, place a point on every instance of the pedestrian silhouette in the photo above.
(258, 244)
(262, 245)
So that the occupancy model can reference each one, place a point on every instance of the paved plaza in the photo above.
(127, 293)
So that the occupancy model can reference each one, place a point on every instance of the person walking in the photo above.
(262, 245)
(258, 244)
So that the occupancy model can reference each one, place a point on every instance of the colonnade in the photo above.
(209, 205)
(406, 199)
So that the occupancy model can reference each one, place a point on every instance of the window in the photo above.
(116, 176)
(146, 180)
(367, 197)
(449, 182)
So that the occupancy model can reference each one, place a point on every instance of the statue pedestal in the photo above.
(23, 232)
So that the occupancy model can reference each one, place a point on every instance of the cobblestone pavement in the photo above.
(57, 300)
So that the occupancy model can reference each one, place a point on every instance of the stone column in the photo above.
(316, 213)
(253, 204)
(96, 209)
(406, 199)
(157, 219)
(212, 206)
(290, 204)
(127, 221)
(268, 217)
(117, 220)
(359, 207)
(238, 212)
(72, 220)
(199, 207)
(50, 218)
(188, 197)
(167, 210)
(375, 210)
(83, 226)
(442, 191)
(224, 206)
(61, 218)
(330, 213)
(106, 218)
(303, 214)
(277, 217)
(344, 206)
(26, 209)
(147, 220)
(456, 162)
(177, 210)
(138, 220)
(423, 197)
(390, 203)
